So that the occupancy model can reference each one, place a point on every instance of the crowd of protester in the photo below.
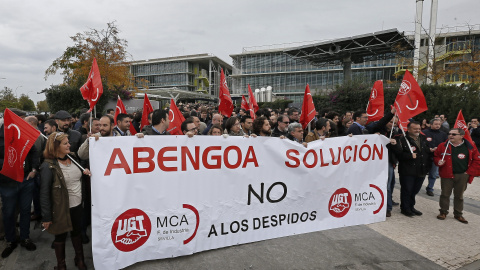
(69, 210)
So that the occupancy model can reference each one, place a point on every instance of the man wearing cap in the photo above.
(18, 194)
(63, 119)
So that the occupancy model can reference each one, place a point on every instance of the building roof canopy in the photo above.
(358, 48)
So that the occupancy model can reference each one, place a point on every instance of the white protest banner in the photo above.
(166, 196)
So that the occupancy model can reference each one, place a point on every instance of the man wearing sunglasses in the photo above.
(458, 161)
(282, 126)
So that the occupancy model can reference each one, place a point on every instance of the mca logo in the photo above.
(12, 156)
(405, 87)
(131, 230)
(374, 94)
(340, 203)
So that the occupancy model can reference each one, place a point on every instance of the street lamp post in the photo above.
(16, 91)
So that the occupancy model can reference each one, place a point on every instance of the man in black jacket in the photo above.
(282, 126)
(475, 131)
(434, 137)
(18, 194)
(63, 119)
(413, 167)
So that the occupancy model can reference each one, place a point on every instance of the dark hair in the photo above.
(41, 118)
(122, 116)
(52, 123)
(321, 122)
(109, 110)
(193, 113)
(84, 118)
(292, 110)
(413, 123)
(184, 125)
(230, 123)
(245, 117)
(281, 117)
(358, 114)
(331, 115)
(158, 115)
(217, 126)
(258, 124)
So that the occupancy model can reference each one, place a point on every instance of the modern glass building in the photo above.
(269, 65)
(288, 77)
(199, 73)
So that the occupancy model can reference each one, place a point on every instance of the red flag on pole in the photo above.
(410, 100)
(147, 109)
(308, 108)
(252, 101)
(176, 119)
(19, 138)
(225, 105)
(376, 105)
(121, 109)
(460, 123)
(92, 90)
(245, 104)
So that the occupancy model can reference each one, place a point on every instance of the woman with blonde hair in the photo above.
(61, 198)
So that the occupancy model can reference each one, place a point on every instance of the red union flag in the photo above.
(460, 123)
(225, 105)
(19, 138)
(147, 109)
(375, 106)
(176, 119)
(245, 104)
(121, 109)
(92, 90)
(410, 100)
(253, 102)
(308, 108)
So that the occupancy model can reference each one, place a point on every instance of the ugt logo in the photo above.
(131, 230)
(340, 203)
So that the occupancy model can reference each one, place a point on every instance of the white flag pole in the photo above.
(73, 160)
(393, 125)
(446, 148)
(406, 139)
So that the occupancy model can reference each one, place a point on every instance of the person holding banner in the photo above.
(358, 126)
(123, 125)
(61, 198)
(261, 126)
(159, 123)
(415, 158)
(458, 163)
(322, 127)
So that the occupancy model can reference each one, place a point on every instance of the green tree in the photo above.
(110, 51)
(69, 98)
(42, 106)
(25, 103)
(7, 99)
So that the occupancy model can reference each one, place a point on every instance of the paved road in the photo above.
(399, 243)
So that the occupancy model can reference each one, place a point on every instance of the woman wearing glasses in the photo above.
(61, 198)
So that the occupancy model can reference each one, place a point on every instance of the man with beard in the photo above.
(50, 127)
(63, 120)
(413, 167)
(282, 126)
(261, 127)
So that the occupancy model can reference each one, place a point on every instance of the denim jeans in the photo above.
(18, 194)
(410, 186)
(390, 186)
(432, 176)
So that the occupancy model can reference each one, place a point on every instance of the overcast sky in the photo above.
(34, 33)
